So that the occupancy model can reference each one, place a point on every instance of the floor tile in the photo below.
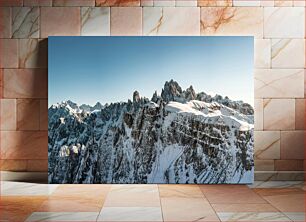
(82, 190)
(182, 190)
(9, 188)
(133, 196)
(63, 216)
(18, 208)
(296, 216)
(230, 194)
(76, 197)
(130, 214)
(264, 207)
(285, 200)
(266, 192)
(187, 209)
(71, 204)
(274, 216)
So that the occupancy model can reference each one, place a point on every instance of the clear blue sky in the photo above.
(110, 69)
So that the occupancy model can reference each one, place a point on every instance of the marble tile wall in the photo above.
(279, 60)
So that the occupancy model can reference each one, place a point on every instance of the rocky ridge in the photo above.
(179, 136)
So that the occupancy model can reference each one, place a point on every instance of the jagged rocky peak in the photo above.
(156, 98)
(202, 96)
(71, 104)
(88, 108)
(85, 107)
(190, 93)
(136, 96)
(171, 91)
(98, 106)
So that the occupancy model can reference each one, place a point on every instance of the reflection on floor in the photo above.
(267, 201)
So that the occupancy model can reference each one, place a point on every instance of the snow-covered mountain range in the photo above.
(179, 136)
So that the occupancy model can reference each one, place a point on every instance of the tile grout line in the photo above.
(209, 202)
(104, 202)
(161, 209)
(278, 210)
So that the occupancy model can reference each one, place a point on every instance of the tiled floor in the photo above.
(269, 201)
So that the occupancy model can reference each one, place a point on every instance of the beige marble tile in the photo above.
(186, 3)
(33, 53)
(267, 145)
(43, 114)
(211, 3)
(267, 3)
(283, 3)
(279, 83)
(300, 114)
(263, 207)
(171, 21)
(123, 3)
(288, 53)
(25, 22)
(285, 199)
(163, 3)
(232, 21)
(18, 208)
(279, 114)
(23, 144)
(146, 3)
(63, 216)
(73, 2)
(76, 197)
(26, 189)
(258, 114)
(284, 22)
(95, 21)
(126, 21)
(262, 53)
(133, 196)
(182, 191)
(71, 204)
(8, 114)
(54, 21)
(253, 216)
(263, 165)
(25, 83)
(299, 3)
(246, 3)
(289, 165)
(230, 194)
(96, 191)
(37, 2)
(130, 214)
(28, 114)
(187, 209)
(292, 144)
(8, 53)
(5, 22)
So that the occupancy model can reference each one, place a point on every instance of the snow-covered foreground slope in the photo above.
(178, 137)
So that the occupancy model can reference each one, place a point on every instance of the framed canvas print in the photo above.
(151, 110)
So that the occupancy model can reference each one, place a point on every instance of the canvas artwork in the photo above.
(151, 110)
